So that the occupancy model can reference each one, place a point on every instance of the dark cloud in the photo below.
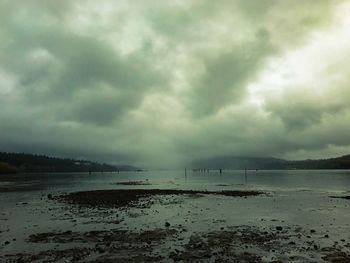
(159, 83)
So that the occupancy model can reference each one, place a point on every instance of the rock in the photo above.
(327, 249)
(298, 229)
(326, 236)
(167, 224)
(7, 242)
(279, 228)
(49, 196)
(337, 256)
(100, 249)
(312, 231)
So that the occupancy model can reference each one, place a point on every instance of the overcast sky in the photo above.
(159, 83)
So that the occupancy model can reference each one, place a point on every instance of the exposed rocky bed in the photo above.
(131, 197)
(251, 244)
(233, 244)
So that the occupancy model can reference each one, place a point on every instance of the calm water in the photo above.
(314, 180)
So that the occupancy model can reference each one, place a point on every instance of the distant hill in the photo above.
(21, 162)
(267, 163)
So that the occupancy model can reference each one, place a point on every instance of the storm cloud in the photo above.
(161, 83)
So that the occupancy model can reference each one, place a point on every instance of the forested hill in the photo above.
(21, 162)
(342, 162)
(230, 162)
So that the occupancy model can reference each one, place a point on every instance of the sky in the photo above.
(159, 83)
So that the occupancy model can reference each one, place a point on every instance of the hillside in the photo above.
(21, 162)
(232, 162)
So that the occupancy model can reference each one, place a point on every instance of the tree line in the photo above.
(23, 162)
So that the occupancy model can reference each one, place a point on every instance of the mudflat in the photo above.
(134, 218)
(131, 225)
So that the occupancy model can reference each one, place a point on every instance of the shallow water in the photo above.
(313, 180)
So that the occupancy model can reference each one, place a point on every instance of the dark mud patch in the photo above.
(65, 255)
(98, 246)
(83, 255)
(341, 197)
(132, 183)
(117, 236)
(229, 184)
(132, 197)
(79, 254)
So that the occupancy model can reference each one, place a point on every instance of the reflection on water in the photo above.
(316, 180)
